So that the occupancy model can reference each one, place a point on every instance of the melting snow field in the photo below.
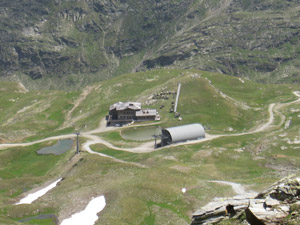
(89, 215)
(34, 196)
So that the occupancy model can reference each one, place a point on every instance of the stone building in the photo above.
(126, 112)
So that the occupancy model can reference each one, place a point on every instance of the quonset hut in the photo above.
(182, 133)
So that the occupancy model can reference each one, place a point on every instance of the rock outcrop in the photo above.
(280, 204)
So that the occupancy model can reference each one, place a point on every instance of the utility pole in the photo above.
(155, 137)
(77, 142)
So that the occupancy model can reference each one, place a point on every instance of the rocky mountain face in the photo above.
(100, 38)
(279, 204)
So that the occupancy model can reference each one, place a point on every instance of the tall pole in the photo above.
(177, 97)
(155, 145)
(77, 142)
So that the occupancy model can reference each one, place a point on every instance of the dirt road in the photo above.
(149, 146)
(237, 188)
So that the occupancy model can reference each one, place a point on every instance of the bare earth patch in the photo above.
(280, 156)
(179, 168)
(202, 154)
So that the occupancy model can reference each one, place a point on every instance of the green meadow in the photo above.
(151, 194)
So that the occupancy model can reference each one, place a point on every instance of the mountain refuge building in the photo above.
(122, 113)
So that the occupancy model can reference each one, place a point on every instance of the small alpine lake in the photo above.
(59, 148)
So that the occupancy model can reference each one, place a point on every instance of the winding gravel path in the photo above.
(149, 146)
(97, 140)
(237, 188)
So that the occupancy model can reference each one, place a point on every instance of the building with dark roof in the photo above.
(127, 112)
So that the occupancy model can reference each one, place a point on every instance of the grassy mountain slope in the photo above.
(203, 99)
(150, 195)
(28, 113)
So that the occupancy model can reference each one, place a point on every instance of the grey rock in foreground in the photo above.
(279, 204)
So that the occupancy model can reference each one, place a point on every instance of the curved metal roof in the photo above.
(186, 132)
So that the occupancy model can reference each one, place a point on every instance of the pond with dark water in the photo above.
(41, 217)
(59, 148)
(141, 133)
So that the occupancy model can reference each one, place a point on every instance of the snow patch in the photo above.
(89, 215)
(34, 196)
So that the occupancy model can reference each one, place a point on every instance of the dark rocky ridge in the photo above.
(257, 39)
